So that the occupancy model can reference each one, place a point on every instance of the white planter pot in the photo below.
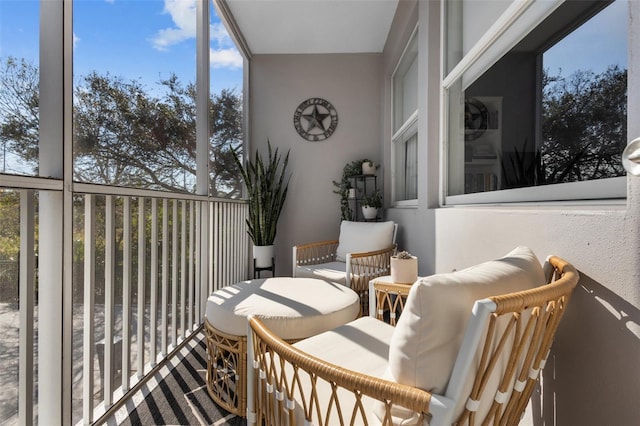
(369, 212)
(404, 271)
(368, 169)
(263, 256)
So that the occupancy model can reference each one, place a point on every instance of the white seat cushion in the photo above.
(294, 308)
(331, 271)
(367, 337)
(361, 345)
(362, 237)
(429, 333)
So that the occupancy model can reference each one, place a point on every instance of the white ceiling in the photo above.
(313, 26)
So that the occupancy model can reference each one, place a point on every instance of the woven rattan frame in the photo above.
(316, 253)
(390, 297)
(279, 366)
(276, 385)
(531, 344)
(364, 266)
(226, 369)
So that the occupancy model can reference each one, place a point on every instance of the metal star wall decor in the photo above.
(315, 119)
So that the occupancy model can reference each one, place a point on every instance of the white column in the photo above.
(202, 149)
(202, 101)
(55, 209)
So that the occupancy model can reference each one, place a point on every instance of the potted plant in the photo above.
(370, 204)
(345, 187)
(404, 268)
(266, 191)
(369, 167)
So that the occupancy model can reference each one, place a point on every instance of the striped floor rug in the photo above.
(176, 395)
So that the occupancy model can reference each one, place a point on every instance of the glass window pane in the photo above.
(584, 101)
(551, 110)
(226, 112)
(19, 78)
(134, 93)
(405, 85)
(406, 166)
(404, 144)
(14, 225)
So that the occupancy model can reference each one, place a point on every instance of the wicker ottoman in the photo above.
(295, 308)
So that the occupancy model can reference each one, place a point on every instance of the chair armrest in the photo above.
(390, 297)
(364, 267)
(315, 253)
(279, 366)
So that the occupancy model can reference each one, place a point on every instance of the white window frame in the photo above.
(517, 20)
(408, 128)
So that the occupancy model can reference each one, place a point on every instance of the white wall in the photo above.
(278, 84)
(587, 379)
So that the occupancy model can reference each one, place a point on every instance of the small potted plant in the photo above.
(370, 204)
(404, 268)
(369, 167)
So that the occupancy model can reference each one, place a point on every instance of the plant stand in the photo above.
(364, 184)
(272, 268)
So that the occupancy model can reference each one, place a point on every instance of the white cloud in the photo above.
(183, 15)
(219, 34)
(225, 58)
(76, 39)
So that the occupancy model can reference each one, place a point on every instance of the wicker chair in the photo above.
(493, 371)
(362, 253)
(387, 298)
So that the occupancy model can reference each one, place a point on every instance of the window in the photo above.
(226, 111)
(20, 152)
(404, 142)
(19, 87)
(548, 115)
(134, 120)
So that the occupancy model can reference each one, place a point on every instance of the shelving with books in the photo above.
(483, 144)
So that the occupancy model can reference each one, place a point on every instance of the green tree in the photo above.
(19, 108)
(584, 125)
(126, 135)
(225, 137)
(9, 225)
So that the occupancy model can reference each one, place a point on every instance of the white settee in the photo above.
(468, 347)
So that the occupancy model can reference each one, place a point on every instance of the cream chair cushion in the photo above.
(361, 346)
(429, 333)
(362, 237)
(294, 308)
(334, 272)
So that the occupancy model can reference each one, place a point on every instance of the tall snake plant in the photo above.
(267, 191)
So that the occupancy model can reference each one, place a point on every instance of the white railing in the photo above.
(144, 263)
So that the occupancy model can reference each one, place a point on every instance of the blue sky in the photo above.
(600, 42)
(146, 40)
